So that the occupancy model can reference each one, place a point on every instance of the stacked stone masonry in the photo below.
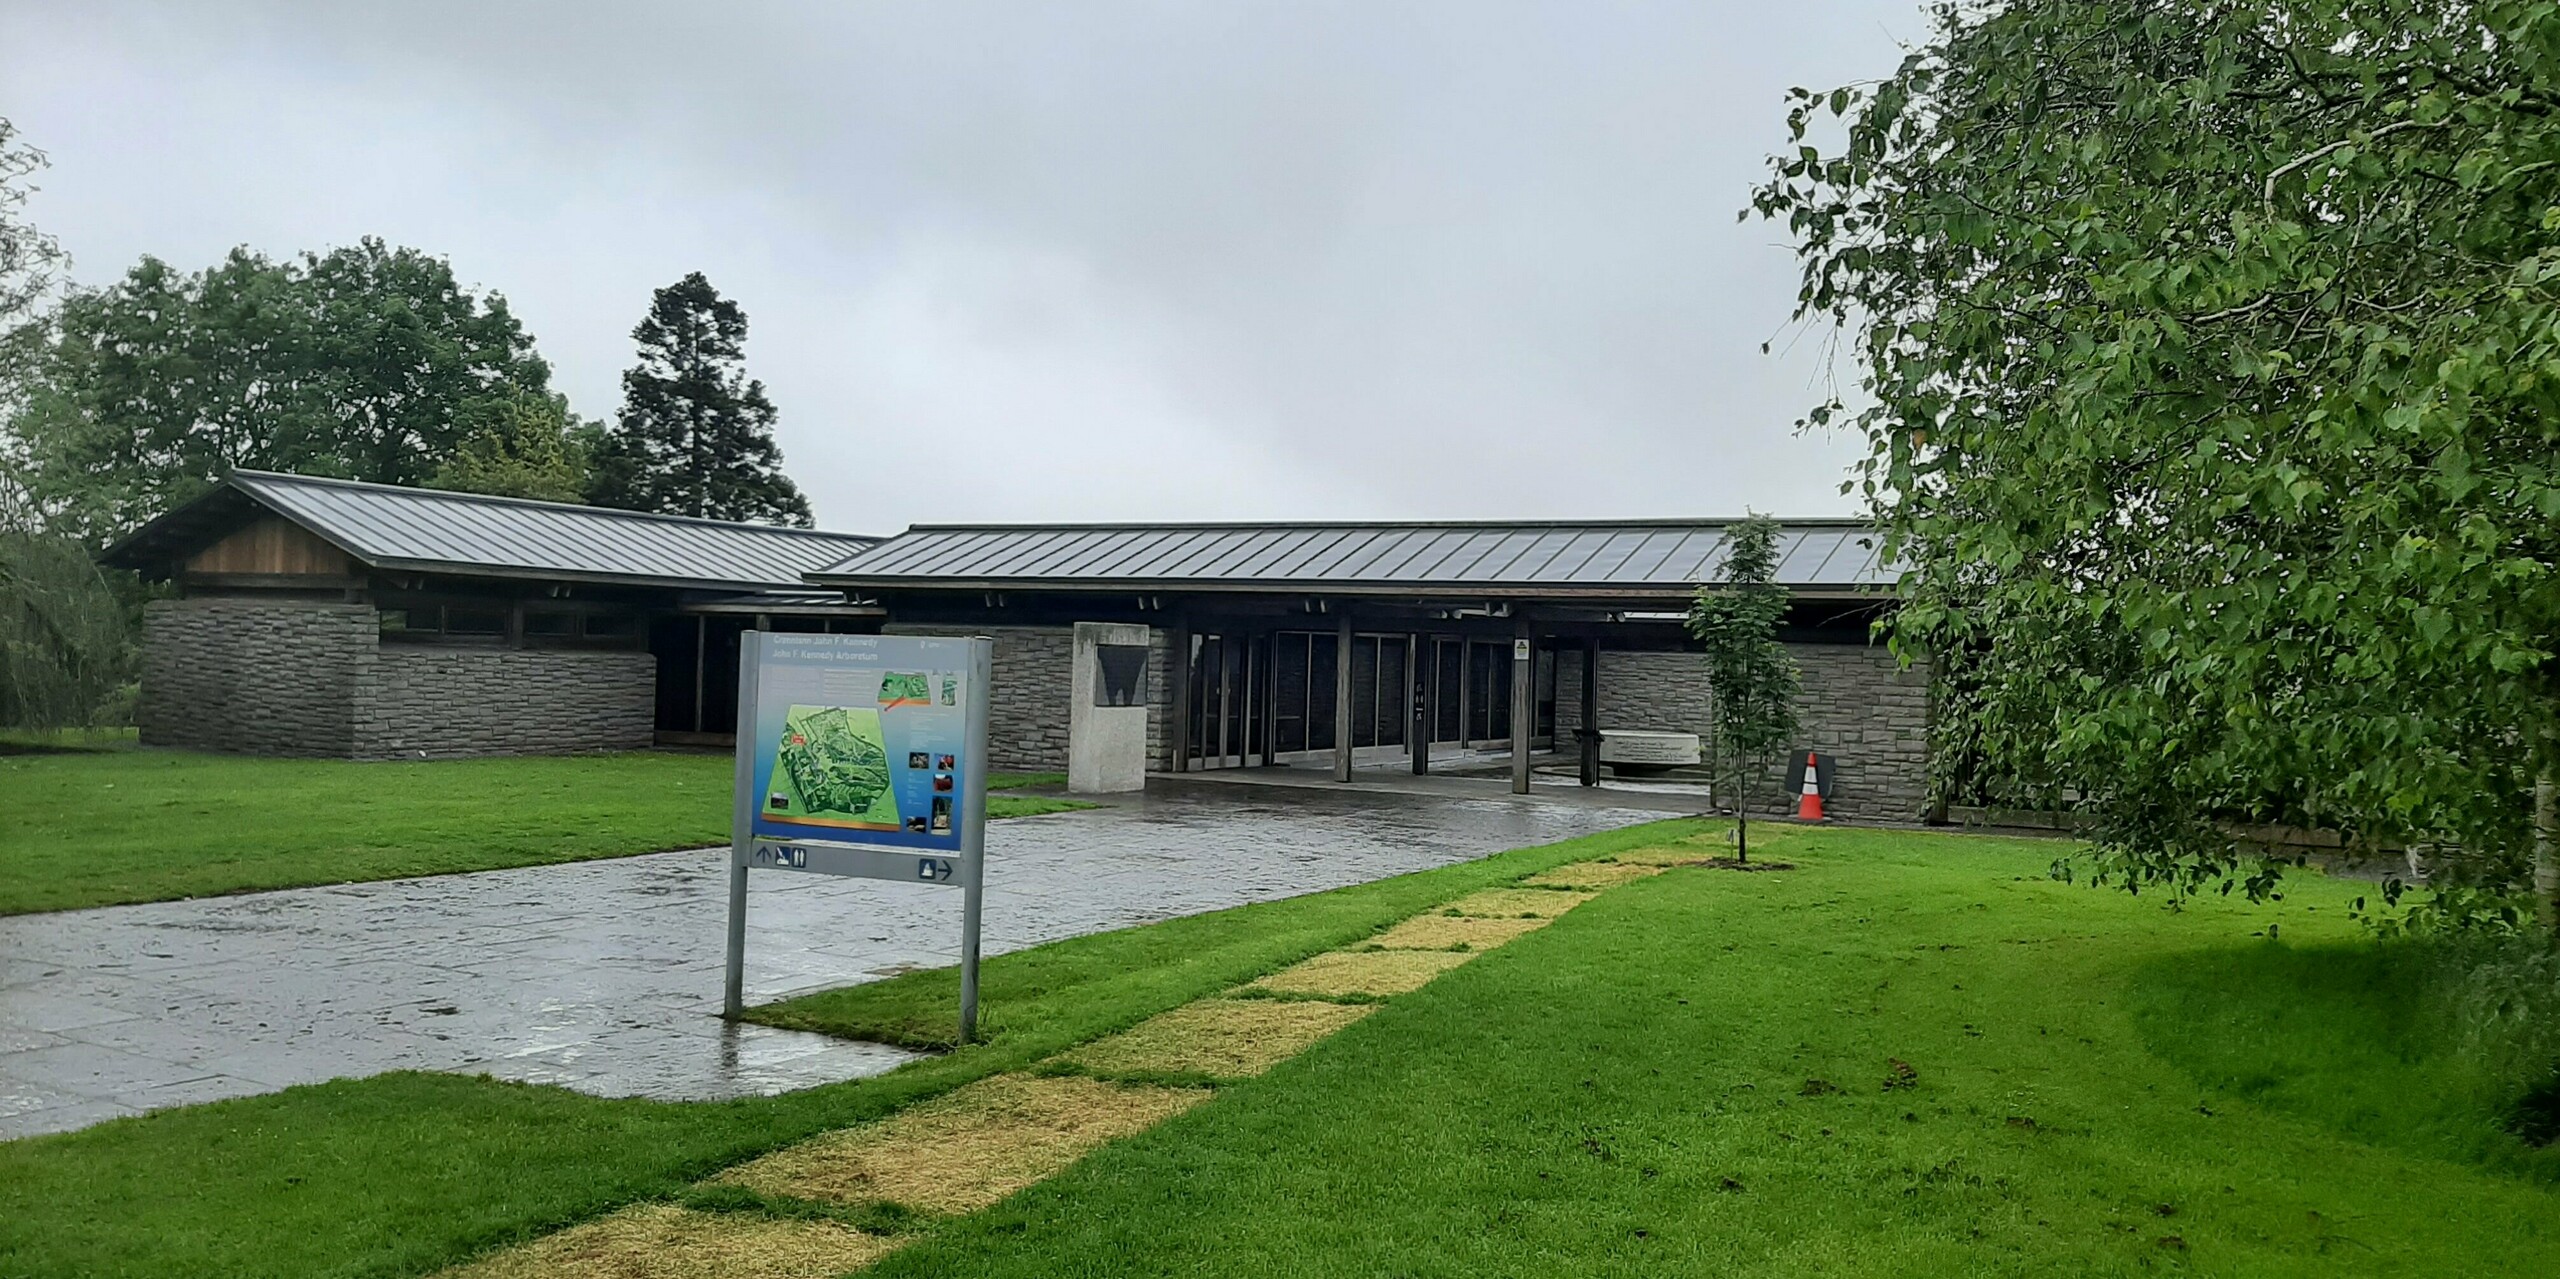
(299, 677)
(428, 703)
(261, 677)
(1858, 704)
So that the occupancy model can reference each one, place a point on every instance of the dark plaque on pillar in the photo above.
(1124, 674)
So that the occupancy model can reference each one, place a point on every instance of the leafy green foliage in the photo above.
(528, 449)
(366, 363)
(1749, 673)
(696, 434)
(2214, 361)
(65, 656)
(28, 257)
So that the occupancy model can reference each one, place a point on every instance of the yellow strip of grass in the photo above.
(1593, 876)
(1516, 903)
(1376, 973)
(660, 1241)
(1221, 1038)
(1455, 932)
(967, 1149)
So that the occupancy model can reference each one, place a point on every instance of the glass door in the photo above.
(1226, 699)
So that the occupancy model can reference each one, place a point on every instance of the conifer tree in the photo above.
(696, 434)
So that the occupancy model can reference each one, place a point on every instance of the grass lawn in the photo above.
(1912, 1055)
(99, 828)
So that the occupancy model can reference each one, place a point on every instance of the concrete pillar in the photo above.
(1107, 709)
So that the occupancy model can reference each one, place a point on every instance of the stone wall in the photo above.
(439, 702)
(1162, 670)
(1858, 705)
(1034, 671)
(301, 677)
(258, 677)
(1646, 692)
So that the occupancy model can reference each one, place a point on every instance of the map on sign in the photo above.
(833, 769)
(906, 688)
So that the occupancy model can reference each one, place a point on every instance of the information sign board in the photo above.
(862, 755)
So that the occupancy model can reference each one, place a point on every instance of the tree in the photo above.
(696, 435)
(1749, 674)
(63, 629)
(528, 449)
(28, 257)
(366, 363)
(2214, 355)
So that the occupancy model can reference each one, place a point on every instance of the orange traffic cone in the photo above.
(1809, 804)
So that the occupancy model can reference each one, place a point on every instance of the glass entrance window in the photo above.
(1303, 668)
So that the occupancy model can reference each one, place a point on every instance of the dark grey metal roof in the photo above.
(391, 527)
(1596, 558)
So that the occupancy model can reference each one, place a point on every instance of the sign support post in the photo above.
(862, 755)
(973, 833)
(742, 819)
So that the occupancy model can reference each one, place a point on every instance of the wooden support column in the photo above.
(701, 664)
(1591, 711)
(1342, 698)
(1178, 677)
(1524, 701)
(1423, 686)
(1269, 686)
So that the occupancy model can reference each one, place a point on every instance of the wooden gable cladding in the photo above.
(273, 546)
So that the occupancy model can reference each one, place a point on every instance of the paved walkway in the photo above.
(604, 976)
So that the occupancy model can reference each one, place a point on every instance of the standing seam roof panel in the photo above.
(389, 524)
(1418, 554)
(1652, 555)
(1066, 556)
(1394, 548)
(1462, 561)
(1160, 559)
(1792, 548)
(1314, 546)
(1579, 554)
(1611, 559)
(1646, 558)
(982, 557)
(1333, 549)
(1688, 559)
(1535, 559)
(1247, 547)
(1113, 561)
(1273, 550)
(1191, 558)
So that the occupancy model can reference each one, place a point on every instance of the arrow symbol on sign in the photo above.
(933, 868)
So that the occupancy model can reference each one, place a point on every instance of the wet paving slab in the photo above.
(604, 976)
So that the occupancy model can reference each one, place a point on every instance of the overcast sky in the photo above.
(1179, 260)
